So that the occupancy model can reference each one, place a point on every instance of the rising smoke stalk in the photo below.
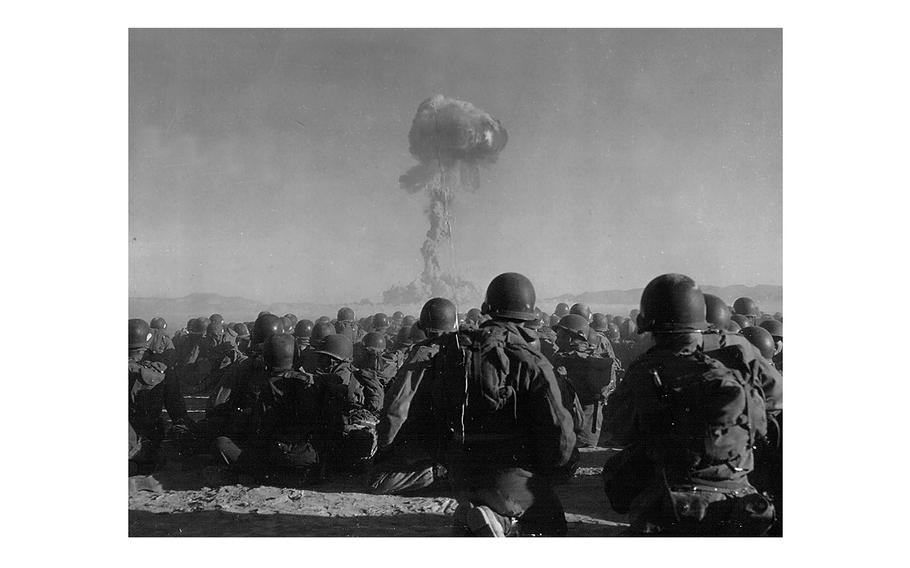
(451, 139)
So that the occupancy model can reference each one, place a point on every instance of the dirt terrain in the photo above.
(194, 502)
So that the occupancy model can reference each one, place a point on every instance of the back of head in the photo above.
(287, 325)
(613, 332)
(263, 313)
(323, 319)
(408, 321)
(774, 327)
(266, 326)
(196, 326)
(574, 325)
(293, 319)
(473, 315)
(379, 321)
(304, 328)
(717, 312)
(562, 310)
(746, 306)
(345, 314)
(139, 333)
(742, 321)
(760, 338)
(437, 316)
(214, 329)
(320, 332)
(374, 340)
(241, 330)
(337, 346)
(510, 296)
(672, 303)
(416, 335)
(396, 317)
(278, 352)
(216, 318)
(403, 338)
(158, 323)
(582, 310)
(617, 319)
(599, 322)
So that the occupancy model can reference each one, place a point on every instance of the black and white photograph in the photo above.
(455, 282)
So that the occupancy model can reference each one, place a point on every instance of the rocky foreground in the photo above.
(177, 502)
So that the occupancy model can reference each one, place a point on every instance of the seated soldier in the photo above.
(408, 457)
(274, 419)
(593, 377)
(151, 387)
(348, 422)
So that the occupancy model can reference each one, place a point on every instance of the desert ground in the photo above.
(181, 500)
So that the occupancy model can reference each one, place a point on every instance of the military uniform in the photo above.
(510, 436)
(593, 378)
(150, 389)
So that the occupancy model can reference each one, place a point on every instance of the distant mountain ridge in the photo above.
(178, 310)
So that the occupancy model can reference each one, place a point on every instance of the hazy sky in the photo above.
(265, 163)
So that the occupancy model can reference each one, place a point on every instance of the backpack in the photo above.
(590, 375)
(474, 386)
(707, 417)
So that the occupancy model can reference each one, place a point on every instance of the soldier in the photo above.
(581, 309)
(685, 470)
(242, 337)
(151, 388)
(274, 418)
(592, 377)
(472, 318)
(302, 333)
(507, 433)
(372, 360)
(748, 308)
(562, 310)
(349, 410)
(346, 324)
(307, 358)
(161, 344)
(776, 329)
(409, 454)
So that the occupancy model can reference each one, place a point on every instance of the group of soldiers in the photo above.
(492, 405)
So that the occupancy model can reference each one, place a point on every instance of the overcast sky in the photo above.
(265, 164)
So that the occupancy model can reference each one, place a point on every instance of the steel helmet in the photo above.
(196, 326)
(338, 347)
(672, 303)
(323, 319)
(774, 327)
(241, 330)
(214, 329)
(575, 325)
(397, 316)
(742, 321)
(562, 309)
(416, 335)
(158, 323)
(613, 332)
(473, 315)
(408, 321)
(379, 321)
(266, 326)
(617, 320)
(581, 309)
(404, 336)
(510, 295)
(304, 328)
(438, 316)
(717, 311)
(139, 333)
(345, 314)
(264, 313)
(216, 318)
(746, 307)
(278, 352)
(733, 327)
(599, 322)
(760, 338)
(374, 340)
(293, 319)
(320, 332)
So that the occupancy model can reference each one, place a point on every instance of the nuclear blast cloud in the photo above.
(451, 138)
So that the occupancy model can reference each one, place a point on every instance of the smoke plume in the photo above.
(451, 140)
